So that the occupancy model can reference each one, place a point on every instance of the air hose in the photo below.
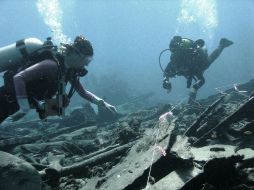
(163, 70)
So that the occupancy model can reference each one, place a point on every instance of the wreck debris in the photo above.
(118, 155)
(98, 159)
(192, 130)
(245, 111)
(16, 173)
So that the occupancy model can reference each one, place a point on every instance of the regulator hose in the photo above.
(163, 70)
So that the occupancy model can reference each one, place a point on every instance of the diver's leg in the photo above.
(194, 89)
(216, 53)
(200, 82)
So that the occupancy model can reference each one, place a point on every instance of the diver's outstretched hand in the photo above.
(111, 108)
(107, 106)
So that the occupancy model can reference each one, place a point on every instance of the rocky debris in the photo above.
(134, 168)
(105, 116)
(79, 115)
(17, 174)
(208, 145)
(219, 173)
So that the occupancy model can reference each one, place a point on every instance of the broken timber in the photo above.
(245, 111)
(192, 129)
(77, 168)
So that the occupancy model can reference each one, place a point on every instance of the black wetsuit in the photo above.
(191, 64)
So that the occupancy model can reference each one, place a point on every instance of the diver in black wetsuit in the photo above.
(190, 59)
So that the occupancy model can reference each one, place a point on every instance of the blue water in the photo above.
(128, 37)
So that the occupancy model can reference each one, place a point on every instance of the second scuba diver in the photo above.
(190, 59)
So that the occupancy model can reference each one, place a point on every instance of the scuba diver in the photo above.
(190, 59)
(36, 75)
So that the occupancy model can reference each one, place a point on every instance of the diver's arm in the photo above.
(84, 93)
(44, 68)
(169, 71)
(92, 97)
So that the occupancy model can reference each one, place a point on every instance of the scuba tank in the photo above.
(18, 53)
(185, 45)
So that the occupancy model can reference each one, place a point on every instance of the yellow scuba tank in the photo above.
(15, 54)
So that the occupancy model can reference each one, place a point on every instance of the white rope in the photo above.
(155, 145)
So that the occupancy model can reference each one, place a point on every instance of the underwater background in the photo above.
(128, 37)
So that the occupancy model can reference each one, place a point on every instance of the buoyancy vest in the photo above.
(188, 56)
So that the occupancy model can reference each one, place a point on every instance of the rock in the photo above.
(79, 115)
(17, 174)
(126, 134)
